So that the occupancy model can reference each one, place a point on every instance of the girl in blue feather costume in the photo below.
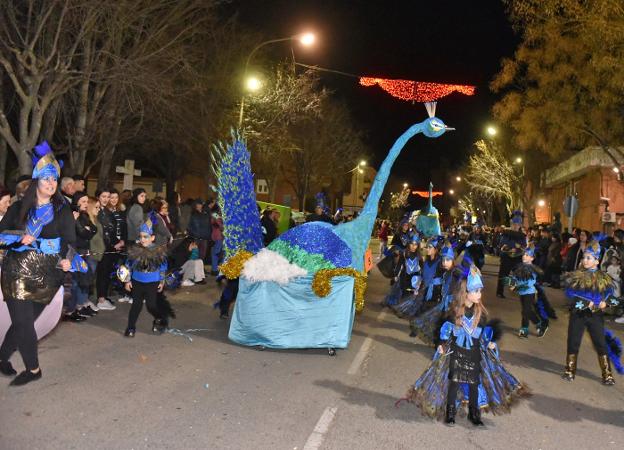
(426, 324)
(407, 277)
(431, 280)
(466, 367)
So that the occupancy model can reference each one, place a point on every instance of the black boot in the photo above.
(7, 369)
(474, 415)
(450, 415)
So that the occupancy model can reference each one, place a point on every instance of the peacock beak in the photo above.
(448, 128)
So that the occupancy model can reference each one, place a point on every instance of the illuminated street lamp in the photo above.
(491, 131)
(616, 170)
(458, 179)
(306, 39)
(518, 160)
(405, 185)
(362, 163)
(253, 84)
(451, 191)
(541, 203)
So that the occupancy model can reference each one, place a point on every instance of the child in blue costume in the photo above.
(425, 325)
(407, 276)
(431, 265)
(466, 365)
(147, 264)
(523, 280)
(590, 291)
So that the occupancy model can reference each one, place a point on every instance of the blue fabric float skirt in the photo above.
(498, 389)
(293, 316)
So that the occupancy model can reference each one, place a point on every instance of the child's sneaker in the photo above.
(523, 333)
(542, 328)
(125, 299)
(187, 283)
(129, 332)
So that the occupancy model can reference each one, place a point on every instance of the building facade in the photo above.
(596, 180)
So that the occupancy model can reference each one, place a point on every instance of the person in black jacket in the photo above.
(77, 308)
(32, 270)
(200, 227)
(269, 227)
(112, 248)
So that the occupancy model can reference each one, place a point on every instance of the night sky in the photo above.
(458, 42)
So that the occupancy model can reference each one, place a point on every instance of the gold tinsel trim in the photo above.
(233, 267)
(321, 285)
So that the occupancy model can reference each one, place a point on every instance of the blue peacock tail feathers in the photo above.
(614, 346)
(237, 197)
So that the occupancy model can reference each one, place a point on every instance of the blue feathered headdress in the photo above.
(530, 251)
(594, 249)
(44, 163)
(147, 227)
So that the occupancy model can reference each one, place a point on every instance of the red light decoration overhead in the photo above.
(417, 91)
(425, 194)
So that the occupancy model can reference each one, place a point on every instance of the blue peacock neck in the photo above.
(357, 233)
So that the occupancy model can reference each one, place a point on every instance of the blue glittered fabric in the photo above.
(319, 238)
(237, 199)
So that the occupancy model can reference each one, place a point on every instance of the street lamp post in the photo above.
(306, 39)
(358, 171)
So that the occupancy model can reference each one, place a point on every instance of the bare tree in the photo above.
(492, 176)
(39, 42)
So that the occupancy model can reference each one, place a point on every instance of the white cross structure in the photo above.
(129, 173)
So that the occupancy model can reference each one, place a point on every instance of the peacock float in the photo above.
(302, 291)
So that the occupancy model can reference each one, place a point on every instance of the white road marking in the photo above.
(322, 426)
(359, 358)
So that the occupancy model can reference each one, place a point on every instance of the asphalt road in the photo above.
(102, 391)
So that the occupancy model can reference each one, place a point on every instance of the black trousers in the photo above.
(21, 334)
(103, 274)
(140, 292)
(594, 323)
(473, 394)
(228, 296)
(528, 310)
(507, 264)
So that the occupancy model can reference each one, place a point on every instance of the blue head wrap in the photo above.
(45, 164)
(473, 281)
(516, 218)
(447, 252)
(433, 241)
(415, 239)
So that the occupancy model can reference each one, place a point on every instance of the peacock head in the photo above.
(434, 127)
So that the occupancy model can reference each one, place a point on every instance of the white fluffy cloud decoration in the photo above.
(268, 265)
